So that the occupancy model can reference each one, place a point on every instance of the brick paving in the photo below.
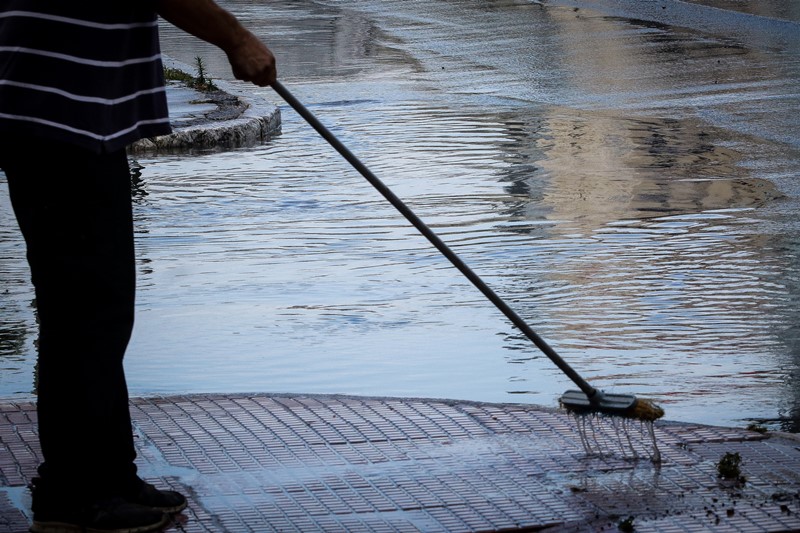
(291, 463)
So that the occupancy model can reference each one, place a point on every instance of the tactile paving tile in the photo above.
(261, 463)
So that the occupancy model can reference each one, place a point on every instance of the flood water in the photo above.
(627, 179)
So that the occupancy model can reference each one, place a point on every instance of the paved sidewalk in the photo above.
(261, 463)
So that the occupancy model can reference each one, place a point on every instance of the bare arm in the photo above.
(250, 59)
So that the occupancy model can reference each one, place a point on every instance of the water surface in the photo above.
(628, 185)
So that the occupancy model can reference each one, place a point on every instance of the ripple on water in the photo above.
(643, 242)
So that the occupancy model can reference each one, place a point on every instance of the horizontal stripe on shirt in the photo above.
(79, 60)
(78, 22)
(86, 133)
(79, 98)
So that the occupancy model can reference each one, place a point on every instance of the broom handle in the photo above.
(434, 239)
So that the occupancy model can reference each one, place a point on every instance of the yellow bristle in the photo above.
(645, 410)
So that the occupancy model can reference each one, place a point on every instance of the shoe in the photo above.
(166, 501)
(114, 515)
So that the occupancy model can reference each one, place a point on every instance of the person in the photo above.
(79, 81)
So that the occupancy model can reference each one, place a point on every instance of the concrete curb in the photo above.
(255, 122)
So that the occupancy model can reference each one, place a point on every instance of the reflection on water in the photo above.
(592, 174)
(17, 321)
(598, 169)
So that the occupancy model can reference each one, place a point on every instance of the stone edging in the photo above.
(255, 123)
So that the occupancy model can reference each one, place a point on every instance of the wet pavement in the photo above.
(259, 463)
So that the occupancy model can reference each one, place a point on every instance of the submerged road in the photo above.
(626, 173)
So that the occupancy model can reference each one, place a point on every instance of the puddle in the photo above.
(630, 189)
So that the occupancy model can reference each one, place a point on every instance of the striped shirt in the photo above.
(86, 72)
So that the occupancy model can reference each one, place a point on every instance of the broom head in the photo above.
(623, 405)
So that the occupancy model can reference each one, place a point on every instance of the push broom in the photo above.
(588, 399)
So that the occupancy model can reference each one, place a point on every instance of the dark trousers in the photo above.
(74, 209)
